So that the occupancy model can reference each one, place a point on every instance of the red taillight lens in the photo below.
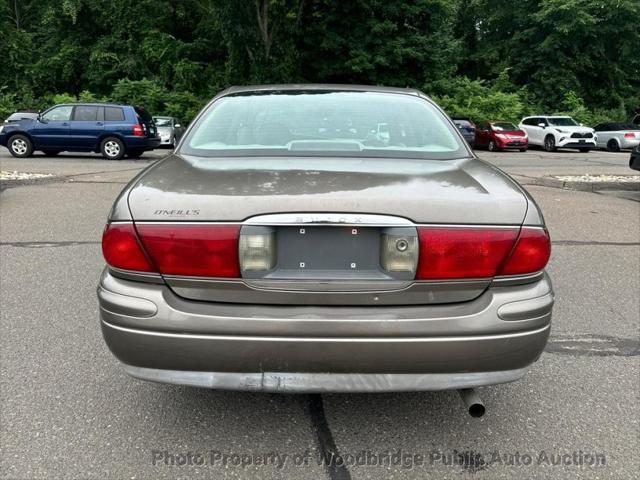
(531, 253)
(450, 253)
(455, 253)
(138, 131)
(192, 250)
(121, 248)
(629, 135)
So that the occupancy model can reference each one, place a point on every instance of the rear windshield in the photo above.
(327, 123)
(162, 121)
(504, 127)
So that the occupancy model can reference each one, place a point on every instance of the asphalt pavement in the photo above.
(68, 411)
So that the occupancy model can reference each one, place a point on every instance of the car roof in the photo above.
(320, 87)
(91, 104)
(548, 116)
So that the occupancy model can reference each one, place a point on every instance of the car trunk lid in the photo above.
(328, 218)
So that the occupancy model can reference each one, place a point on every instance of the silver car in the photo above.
(616, 136)
(169, 129)
(325, 238)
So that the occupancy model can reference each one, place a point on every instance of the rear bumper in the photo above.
(161, 337)
(143, 143)
(325, 382)
(628, 143)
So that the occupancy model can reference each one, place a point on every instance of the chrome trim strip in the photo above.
(471, 338)
(325, 382)
(246, 222)
(134, 276)
(328, 219)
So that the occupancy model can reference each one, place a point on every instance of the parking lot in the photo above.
(68, 411)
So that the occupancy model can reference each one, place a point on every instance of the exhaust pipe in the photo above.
(472, 401)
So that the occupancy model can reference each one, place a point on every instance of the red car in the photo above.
(500, 136)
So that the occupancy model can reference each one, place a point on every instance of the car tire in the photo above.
(549, 143)
(112, 148)
(522, 149)
(492, 146)
(20, 146)
(135, 153)
(51, 153)
(584, 150)
(613, 146)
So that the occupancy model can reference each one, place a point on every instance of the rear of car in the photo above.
(634, 160)
(467, 128)
(325, 238)
(616, 136)
(112, 130)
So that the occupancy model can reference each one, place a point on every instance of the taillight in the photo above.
(121, 248)
(629, 135)
(531, 253)
(192, 250)
(456, 253)
(453, 253)
(138, 131)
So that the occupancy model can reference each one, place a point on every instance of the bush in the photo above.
(478, 100)
(157, 99)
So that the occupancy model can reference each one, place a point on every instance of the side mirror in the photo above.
(542, 125)
(177, 125)
(582, 124)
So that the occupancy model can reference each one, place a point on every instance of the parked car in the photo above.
(553, 132)
(615, 136)
(467, 127)
(634, 160)
(113, 130)
(169, 129)
(325, 238)
(500, 136)
(21, 115)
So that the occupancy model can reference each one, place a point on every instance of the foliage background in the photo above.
(480, 58)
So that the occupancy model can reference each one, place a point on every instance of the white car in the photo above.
(552, 132)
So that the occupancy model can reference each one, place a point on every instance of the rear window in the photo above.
(324, 123)
(113, 114)
(162, 121)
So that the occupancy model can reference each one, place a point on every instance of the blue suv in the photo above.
(113, 130)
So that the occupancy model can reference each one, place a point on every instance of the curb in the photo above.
(6, 184)
(586, 186)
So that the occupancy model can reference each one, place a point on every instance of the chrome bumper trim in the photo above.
(325, 382)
